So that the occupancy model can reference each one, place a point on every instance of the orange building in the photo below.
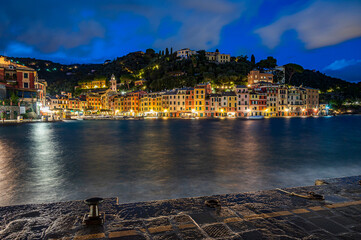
(255, 76)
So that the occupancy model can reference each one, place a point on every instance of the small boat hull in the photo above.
(255, 117)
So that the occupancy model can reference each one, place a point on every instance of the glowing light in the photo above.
(165, 110)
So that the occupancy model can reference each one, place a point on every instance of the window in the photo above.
(26, 85)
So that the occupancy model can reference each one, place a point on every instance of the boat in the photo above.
(255, 117)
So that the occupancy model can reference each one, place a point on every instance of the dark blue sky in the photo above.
(321, 35)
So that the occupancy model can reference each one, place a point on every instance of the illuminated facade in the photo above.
(269, 100)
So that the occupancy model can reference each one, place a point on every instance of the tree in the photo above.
(217, 51)
(291, 69)
(253, 59)
(201, 55)
(166, 52)
(127, 79)
(171, 51)
(269, 63)
(163, 53)
(150, 51)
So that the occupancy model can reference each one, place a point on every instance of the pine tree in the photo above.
(166, 52)
(253, 59)
(163, 53)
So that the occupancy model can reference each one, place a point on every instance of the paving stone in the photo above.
(320, 235)
(203, 218)
(242, 210)
(136, 237)
(182, 219)
(285, 237)
(224, 212)
(241, 226)
(328, 225)
(289, 229)
(349, 211)
(346, 221)
(251, 235)
(217, 230)
(191, 234)
(167, 236)
(309, 215)
(325, 213)
(264, 224)
(156, 222)
(303, 223)
(350, 236)
(356, 228)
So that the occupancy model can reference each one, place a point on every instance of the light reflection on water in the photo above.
(147, 160)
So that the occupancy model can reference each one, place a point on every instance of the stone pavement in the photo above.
(269, 214)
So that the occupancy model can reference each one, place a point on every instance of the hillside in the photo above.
(165, 71)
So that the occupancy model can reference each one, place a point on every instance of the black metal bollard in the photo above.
(93, 218)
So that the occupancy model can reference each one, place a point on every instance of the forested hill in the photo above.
(164, 71)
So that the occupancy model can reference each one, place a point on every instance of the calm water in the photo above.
(159, 159)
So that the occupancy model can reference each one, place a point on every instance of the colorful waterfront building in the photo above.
(258, 103)
(242, 100)
(272, 91)
(215, 105)
(282, 101)
(312, 101)
(189, 102)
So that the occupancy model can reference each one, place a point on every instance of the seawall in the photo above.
(274, 214)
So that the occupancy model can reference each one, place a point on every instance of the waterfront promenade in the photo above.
(271, 214)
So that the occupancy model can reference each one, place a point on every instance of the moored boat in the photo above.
(255, 117)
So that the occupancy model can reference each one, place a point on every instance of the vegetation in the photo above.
(163, 70)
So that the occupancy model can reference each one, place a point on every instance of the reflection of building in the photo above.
(255, 76)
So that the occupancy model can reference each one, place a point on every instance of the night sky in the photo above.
(321, 35)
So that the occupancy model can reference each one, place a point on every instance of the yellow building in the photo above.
(199, 100)
(94, 84)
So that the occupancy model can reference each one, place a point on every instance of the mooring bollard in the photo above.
(93, 218)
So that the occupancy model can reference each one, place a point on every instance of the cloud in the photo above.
(323, 23)
(50, 40)
(340, 64)
(348, 70)
(109, 28)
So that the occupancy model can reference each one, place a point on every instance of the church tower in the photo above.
(113, 83)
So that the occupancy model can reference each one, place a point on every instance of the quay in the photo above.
(271, 214)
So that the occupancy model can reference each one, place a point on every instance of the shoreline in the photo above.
(15, 122)
(269, 214)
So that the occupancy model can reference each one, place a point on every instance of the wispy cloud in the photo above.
(342, 63)
(323, 23)
(91, 29)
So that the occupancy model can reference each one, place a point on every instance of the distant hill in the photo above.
(167, 72)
